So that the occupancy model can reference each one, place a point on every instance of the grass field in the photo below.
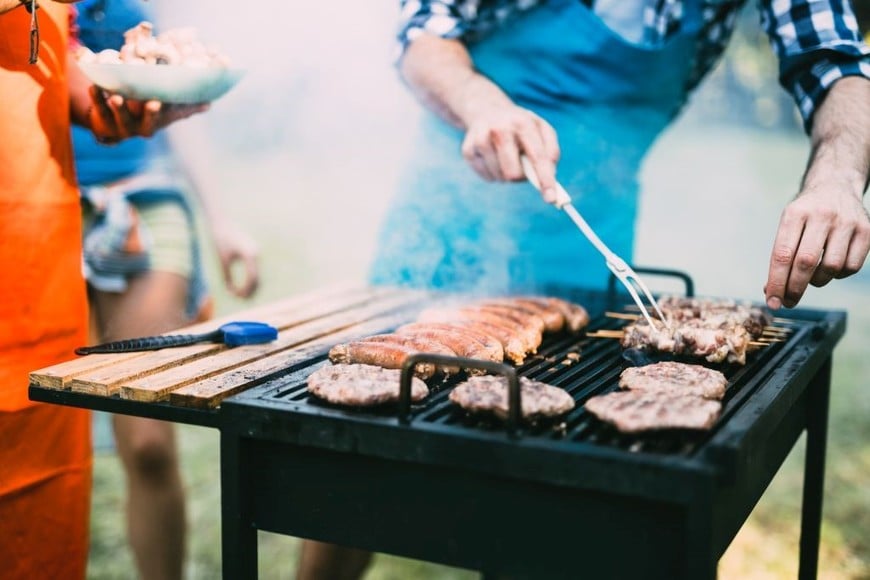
(711, 206)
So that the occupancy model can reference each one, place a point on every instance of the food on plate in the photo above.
(173, 47)
(489, 394)
(638, 411)
(462, 340)
(676, 378)
(381, 354)
(361, 385)
(716, 340)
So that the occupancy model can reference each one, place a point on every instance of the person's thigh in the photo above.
(153, 303)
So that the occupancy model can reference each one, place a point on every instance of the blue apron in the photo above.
(607, 99)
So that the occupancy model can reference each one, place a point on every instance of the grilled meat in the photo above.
(419, 344)
(528, 334)
(553, 318)
(676, 378)
(463, 341)
(489, 394)
(576, 317)
(361, 385)
(753, 318)
(715, 340)
(524, 319)
(381, 354)
(636, 411)
(516, 342)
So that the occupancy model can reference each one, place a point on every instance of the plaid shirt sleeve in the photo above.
(817, 42)
(439, 17)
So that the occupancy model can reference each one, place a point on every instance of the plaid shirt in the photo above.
(816, 41)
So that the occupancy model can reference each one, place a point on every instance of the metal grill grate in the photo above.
(595, 372)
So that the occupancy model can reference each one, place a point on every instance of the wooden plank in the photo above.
(208, 393)
(60, 375)
(157, 386)
(106, 381)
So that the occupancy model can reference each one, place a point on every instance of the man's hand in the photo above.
(495, 139)
(824, 233)
(497, 132)
(113, 118)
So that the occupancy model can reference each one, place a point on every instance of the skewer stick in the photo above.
(770, 340)
(604, 333)
(779, 320)
(622, 315)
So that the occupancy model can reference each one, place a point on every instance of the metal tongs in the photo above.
(617, 265)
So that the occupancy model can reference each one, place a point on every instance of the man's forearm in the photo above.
(841, 138)
(440, 73)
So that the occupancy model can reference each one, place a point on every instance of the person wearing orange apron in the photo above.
(45, 450)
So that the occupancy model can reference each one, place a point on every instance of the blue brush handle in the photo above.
(151, 343)
(231, 334)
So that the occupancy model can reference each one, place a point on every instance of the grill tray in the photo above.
(596, 372)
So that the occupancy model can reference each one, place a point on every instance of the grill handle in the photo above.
(514, 402)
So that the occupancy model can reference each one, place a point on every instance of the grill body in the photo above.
(553, 501)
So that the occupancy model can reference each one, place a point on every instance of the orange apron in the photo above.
(45, 450)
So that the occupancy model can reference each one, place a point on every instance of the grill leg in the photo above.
(238, 535)
(814, 472)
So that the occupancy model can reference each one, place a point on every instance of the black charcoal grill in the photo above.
(561, 499)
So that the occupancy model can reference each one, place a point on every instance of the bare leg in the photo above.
(153, 304)
(320, 561)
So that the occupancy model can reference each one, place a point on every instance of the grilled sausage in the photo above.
(514, 347)
(419, 344)
(576, 317)
(461, 341)
(381, 354)
(554, 319)
(516, 341)
(462, 338)
(527, 320)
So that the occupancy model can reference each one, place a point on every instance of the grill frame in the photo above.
(499, 502)
(677, 512)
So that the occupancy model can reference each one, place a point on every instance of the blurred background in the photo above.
(307, 149)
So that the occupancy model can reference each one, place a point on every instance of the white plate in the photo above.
(164, 82)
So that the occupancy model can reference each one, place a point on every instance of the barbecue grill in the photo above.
(557, 499)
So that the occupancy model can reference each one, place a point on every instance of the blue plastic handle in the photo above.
(239, 333)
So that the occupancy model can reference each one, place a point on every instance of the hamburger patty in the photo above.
(675, 377)
(361, 385)
(489, 394)
(636, 411)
